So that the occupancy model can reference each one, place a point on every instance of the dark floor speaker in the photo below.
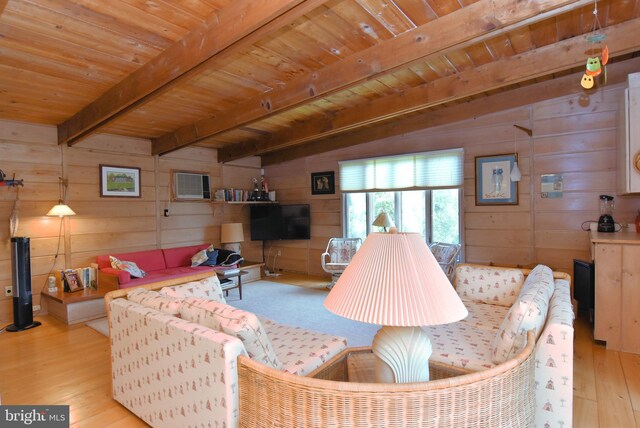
(21, 276)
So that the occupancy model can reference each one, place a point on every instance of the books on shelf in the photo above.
(85, 277)
(232, 195)
(239, 195)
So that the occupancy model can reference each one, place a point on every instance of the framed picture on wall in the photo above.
(119, 182)
(323, 183)
(493, 181)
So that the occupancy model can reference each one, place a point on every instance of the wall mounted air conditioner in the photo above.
(190, 186)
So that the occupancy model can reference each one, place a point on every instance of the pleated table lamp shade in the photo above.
(394, 280)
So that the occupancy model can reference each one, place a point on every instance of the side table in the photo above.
(357, 365)
(231, 284)
(74, 308)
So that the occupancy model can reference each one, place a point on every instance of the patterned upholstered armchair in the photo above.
(447, 257)
(337, 256)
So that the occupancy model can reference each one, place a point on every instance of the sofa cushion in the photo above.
(127, 266)
(207, 288)
(461, 344)
(497, 286)
(201, 311)
(155, 300)
(529, 312)
(148, 260)
(181, 256)
(235, 322)
(484, 316)
(300, 350)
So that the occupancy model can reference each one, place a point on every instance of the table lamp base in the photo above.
(402, 355)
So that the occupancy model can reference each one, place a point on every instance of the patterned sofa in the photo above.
(174, 352)
(504, 303)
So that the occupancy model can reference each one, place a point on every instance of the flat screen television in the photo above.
(296, 222)
(273, 222)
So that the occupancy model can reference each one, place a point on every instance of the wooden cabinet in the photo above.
(629, 138)
(617, 294)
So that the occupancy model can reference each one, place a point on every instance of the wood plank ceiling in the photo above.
(277, 78)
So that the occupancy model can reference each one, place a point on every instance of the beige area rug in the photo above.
(101, 325)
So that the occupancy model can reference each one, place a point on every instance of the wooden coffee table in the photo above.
(230, 285)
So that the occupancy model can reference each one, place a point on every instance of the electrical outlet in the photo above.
(8, 291)
(36, 308)
(279, 252)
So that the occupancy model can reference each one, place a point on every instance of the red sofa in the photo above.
(170, 265)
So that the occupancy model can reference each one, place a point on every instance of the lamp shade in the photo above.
(60, 210)
(231, 233)
(383, 220)
(394, 280)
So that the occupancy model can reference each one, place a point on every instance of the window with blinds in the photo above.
(428, 170)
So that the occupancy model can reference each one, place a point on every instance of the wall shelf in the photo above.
(246, 202)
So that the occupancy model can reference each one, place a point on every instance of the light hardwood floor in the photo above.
(60, 364)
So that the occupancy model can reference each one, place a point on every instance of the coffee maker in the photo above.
(606, 223)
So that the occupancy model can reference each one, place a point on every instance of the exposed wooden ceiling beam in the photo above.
(566, 85)
(560, 56)
(469, 25)
(240, 24)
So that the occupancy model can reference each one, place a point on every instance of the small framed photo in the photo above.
(493, 180)
(72, 281)
(323, 183)
(119, 182)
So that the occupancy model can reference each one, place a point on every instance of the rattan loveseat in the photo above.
(502, 396)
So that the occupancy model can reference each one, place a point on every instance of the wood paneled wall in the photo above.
(574, 136)
(102, 225)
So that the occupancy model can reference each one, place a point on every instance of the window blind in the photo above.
(427, 170)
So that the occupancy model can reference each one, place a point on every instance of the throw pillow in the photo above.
(198, 258)
(248, 328)
(496, 286)
(130, 267)
(155, 300)
(201, 256)
(234, 322)
(207, 288)
(201, 311)
(212, 258)
(529, 312)
(228, 258)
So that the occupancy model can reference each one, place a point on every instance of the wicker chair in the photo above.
(337, 256)
(502, 396)
(447, 257)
